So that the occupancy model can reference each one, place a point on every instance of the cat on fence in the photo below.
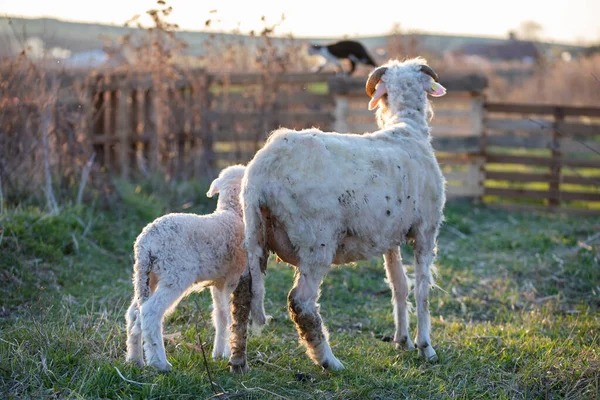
(350, 50)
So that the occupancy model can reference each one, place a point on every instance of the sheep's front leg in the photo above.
(221, 320)
(399, 284)
(304, 311)
(424, 255)
(240, 314)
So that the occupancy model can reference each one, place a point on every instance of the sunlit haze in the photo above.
(563, 21)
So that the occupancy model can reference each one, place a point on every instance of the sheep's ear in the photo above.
(215, 187)
(434, 88)
(380, 90)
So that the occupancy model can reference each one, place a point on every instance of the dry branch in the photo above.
(84, 177)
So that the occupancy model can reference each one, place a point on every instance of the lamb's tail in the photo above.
(255, 243)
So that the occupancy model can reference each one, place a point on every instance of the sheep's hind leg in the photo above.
(304, 311)
(135, 352)
(399, 284)
(424, 255)
(152, 314)
(240, 314)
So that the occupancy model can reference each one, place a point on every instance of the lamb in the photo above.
(180, 253)
(316, 198)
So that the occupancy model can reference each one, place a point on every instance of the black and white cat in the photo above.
(350, 50)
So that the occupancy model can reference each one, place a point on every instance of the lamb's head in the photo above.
(228, 186)
(400, 89)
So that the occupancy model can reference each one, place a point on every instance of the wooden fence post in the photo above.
(206, 133)
(555, 170)
(341, 114)
(476, 168)
(123, 110)
(150, 129)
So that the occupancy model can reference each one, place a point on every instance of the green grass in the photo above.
(514, 313)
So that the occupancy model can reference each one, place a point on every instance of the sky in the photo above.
(565, 21)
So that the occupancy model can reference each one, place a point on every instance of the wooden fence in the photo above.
(527, 155)
(542, 155)
(201, 123)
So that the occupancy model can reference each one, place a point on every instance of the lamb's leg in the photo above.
(304, 311)
(221, 320)
(134, 335)
(240, 313)
(399, 284)
(152, 314)
(424, 255)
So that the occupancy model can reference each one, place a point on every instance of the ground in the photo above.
(514, 314)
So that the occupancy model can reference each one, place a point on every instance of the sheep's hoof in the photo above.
(239, 369)
(162, 367)
(404, 343)
(332, 364)
(428, 353)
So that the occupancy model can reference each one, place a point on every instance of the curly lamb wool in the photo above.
(319, 198)
(180, 253)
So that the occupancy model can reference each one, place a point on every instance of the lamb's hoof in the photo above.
(428, 353)
(332, 364)
(404, 343)
(239, 369)
(139, 362)
(162, 366)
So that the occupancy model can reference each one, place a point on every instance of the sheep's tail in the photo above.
(142, 275)
(255, 243)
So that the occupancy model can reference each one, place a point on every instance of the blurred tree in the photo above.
(529, 30)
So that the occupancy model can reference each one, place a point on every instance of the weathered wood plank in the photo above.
(541, 161)
(567, 111)
(542, 194)
(518, 176)
(458, 144)
(544, 209)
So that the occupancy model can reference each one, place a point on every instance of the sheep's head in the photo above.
(397, 85)
(228, 186)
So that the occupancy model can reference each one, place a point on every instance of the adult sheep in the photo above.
(319, 198)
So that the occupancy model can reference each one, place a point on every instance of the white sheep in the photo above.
(180, 253)
(316, 198)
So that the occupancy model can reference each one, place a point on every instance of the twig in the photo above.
(586, 243)
(101, 250)
(134, 382)
(264, 390)
(84, 177)
(545, 299)
(212, 384)
(563, 135)
(46, 125)
(1, 197)
(456, 232)
(275, 365)
(595, 77)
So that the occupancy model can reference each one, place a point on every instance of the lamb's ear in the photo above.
(380, 90)
(434, 88)
(215, 187)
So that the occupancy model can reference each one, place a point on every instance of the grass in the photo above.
(514, 313)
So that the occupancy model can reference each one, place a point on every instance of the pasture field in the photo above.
(515, 313)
